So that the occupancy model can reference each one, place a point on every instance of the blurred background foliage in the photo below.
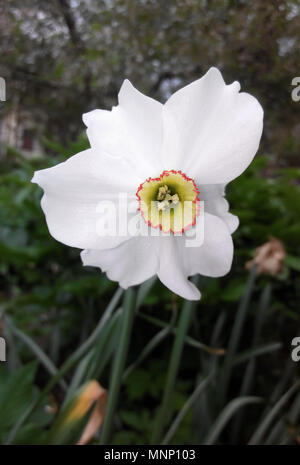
(64, 57)
(237, 382)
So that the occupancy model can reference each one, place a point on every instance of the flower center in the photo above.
(169, 202)
(165, 199)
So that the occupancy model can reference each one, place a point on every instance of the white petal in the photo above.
(219, 206)
(73, 191)
(133, 130)
(172, 271)
(105, 133)
(211, 131)
(131, 263)
(216, 204)
(214, 257)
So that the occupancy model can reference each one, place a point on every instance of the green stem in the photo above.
(236, 334)
(164, 410)
(188, 339)
(119, 362)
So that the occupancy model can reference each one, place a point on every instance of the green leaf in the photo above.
(293, 262)
(226, 415)
(234, 290)
(17, 391)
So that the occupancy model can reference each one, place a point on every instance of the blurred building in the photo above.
(20, 131)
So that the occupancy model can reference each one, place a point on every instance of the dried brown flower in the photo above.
(269, 258)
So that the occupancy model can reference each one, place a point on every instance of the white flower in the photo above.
(203, 137)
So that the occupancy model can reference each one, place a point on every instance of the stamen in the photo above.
(165, 199)
(162, 192)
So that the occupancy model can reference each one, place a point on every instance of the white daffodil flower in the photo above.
(159, 156)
